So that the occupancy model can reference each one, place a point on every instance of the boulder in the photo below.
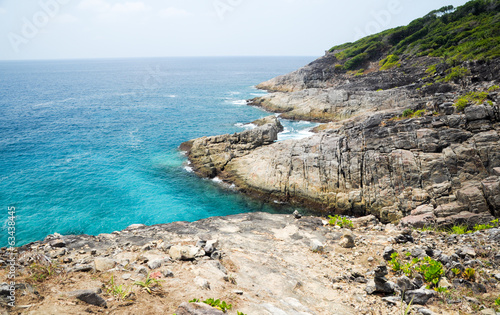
(179, 252)
(104, 264)
(197, 309)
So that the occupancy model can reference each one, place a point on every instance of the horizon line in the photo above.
(157, 57)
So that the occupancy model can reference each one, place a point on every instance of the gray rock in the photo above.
(388, 251)
(419, 296)
(178, 252)
(424, 311)
(197, 309)
(81, 268)
(211, 246)
(92, 298)
(104, 264)
(297, 215)
(155, 264)
(317, 246)
(141, 270)
(347, 240)
(58, 243)
(202, 283)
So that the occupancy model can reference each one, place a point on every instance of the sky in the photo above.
(82, 29)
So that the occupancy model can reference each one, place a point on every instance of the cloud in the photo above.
(173, 12)
(67, 18)
(102, 6)
(130, 7)
(94, 5)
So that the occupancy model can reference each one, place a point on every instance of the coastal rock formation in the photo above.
(210, 155)
(379, 163)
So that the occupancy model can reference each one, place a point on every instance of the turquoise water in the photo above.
(90, 146)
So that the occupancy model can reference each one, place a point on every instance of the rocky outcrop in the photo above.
(382, 164)
(266, 264)
(210, 155)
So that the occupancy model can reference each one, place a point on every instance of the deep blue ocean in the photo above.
(90, 146)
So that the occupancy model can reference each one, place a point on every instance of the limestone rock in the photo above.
(178, 252)
(104, 264)
(347, 240)
(197, 309)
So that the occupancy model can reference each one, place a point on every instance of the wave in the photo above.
(246, 126)
(188, 169)
(239, 102)
(288, 134)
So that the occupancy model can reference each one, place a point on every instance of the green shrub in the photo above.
(469, 274)
(339, 67)
(470, 98)
(218, 304)
(408, 112)
(458, 229)
(355, 61)
(340, 221)
(395, 263)
(493, 88)
(431, 270)
(389, 62)
(455, 74)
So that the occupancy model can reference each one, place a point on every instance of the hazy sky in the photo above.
(55, 29)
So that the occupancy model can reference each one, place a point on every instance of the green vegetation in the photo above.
(389, 62)
(470, 98)
(458, 229)
(148, 284)
(118, 291)
(493, 88)
(497, 301)
(218, 304)
(409, 113)
(340, 221)
(469, 32)
(40, 272)
(431, 270)
(469, 274)
(454, 74)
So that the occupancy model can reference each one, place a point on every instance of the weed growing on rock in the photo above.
(340, 221)
(493, 88)
(118, 291)
(476, 98)
(148, 284)
(469, 274)
(41, 272)
(218, 304)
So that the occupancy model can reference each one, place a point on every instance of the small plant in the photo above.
(495, 223)
(406, 311)
(218, 304)
(340, 221)
(379, 90)
(240, 313)
(42, 271)
(395, 263)
(118, 291)
(432, 270)
(458, 229)
(469, 274)
(456, 271)
(497, 301)
(148, 284)
(441, 289)
(493, 88)
(408, 112)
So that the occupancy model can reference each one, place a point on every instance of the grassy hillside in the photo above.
(469, 32)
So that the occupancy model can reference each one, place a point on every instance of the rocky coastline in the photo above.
(440, 167)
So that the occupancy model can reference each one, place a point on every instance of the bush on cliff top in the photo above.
(469, 32)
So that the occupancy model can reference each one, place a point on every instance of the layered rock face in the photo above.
(435, 169)
(388, 167)
(440, 168)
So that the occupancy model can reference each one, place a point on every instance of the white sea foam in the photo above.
(287, 134)
(246, 126)
(217, 180)
(172, 96)
(239, 102)
(188, 169)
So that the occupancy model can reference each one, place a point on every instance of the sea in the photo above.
(91, 146)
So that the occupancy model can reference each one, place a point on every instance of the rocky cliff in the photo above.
(413, 136)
